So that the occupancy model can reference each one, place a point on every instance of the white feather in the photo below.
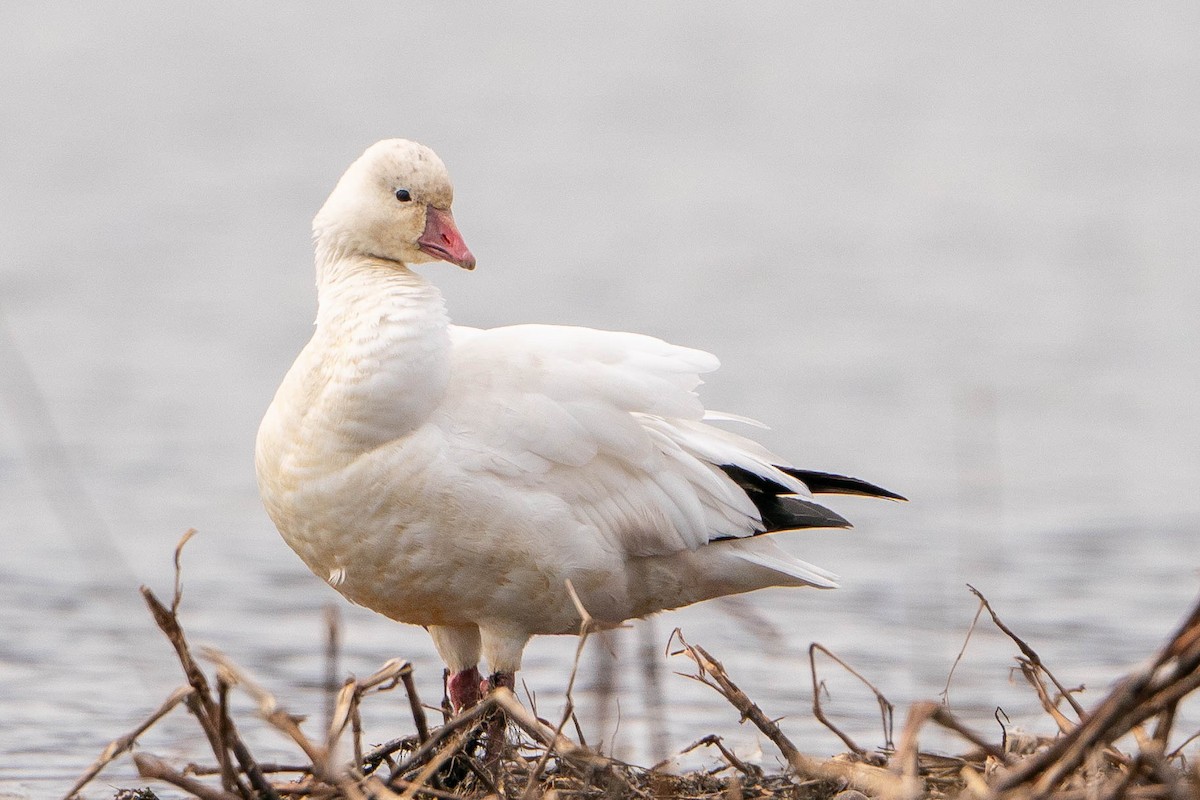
(725, 416)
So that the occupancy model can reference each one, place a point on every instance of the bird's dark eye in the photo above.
(403, 195)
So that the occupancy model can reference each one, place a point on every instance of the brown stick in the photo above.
(466, 718)
(886, 709)
(1030, 654)
(716, 741)
(865, 778)
(386, 678)
(586, 625)
(414, 703)
(345, 708)
(1140, 696)
(531, 788)
(961, 652)
(373, 759)
(200, 702)
(1126, 707)
(356, 730)
(551, 739)
(151, 766)
(452, 748)
(267, 767)
(429, 790)
(269, 709)
(546, 736)
(947, 720)
(177, 595)
(907, 751)
(122, 744)
(1031, 676)
(340, 715)
(229, 778)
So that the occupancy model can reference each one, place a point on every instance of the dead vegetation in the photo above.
(539, 760)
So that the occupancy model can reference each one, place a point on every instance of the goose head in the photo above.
(393, 205)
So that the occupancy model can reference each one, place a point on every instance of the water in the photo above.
(951, 251)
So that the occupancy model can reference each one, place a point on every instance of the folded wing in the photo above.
(610, 424)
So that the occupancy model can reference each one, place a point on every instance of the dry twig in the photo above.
(1034, 659)
(1082, 764)
(151, 766)
(862, 777)
(1143, 695)
(886, 709)
(200, 702)
(124, 743)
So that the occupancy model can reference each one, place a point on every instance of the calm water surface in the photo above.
(953, 253)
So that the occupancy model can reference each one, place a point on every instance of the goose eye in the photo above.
(403, 195)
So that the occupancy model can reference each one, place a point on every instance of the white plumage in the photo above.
(457, 478)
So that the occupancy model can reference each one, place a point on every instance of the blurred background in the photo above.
(951, 250)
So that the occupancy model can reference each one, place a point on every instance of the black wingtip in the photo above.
(807, 514)
(779, 509)
(828, 483)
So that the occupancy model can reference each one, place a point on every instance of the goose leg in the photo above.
(502, 647)
(464, 689)
(497, 722)
(459, 649)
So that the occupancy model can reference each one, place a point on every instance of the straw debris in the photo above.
(459, 759)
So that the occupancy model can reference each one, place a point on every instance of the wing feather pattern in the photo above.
(610, 424)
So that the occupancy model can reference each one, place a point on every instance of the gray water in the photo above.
(952, 251)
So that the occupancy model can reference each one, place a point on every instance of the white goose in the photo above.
(457, 478)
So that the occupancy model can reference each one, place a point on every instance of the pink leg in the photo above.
(497, 722)
(464, 689)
